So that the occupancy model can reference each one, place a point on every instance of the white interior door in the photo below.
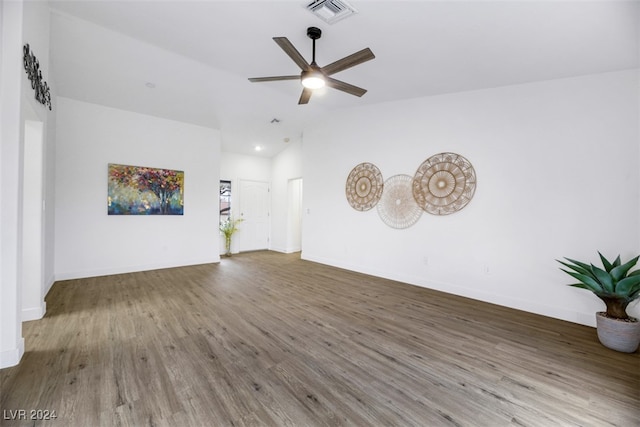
(253, 232)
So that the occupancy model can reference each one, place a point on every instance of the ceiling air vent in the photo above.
(331, 11)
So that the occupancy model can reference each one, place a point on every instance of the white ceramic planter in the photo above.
(617, 334)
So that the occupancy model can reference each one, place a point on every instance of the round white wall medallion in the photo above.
(397, 207)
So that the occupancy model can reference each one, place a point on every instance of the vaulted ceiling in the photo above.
(190, 60)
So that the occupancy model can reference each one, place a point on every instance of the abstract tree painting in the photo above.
(137, 190)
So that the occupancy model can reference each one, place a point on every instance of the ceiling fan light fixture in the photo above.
(312, 79)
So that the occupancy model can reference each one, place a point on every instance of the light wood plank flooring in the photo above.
(268, 339)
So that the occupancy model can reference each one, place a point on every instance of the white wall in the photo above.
(11, 341)
(22, 22)
(234, 167)
(287, 165)
(88, 241)
(38, 225)
(557, 170)
(49, 191)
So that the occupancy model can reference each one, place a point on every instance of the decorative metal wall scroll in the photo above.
(397, 207)
(364, 186)
(444, 184)
(32, 67)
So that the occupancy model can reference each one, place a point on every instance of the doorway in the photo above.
(294, 215)
(33, 305)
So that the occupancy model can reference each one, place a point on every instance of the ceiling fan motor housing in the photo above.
(314, 33)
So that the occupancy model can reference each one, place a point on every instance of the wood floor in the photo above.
(268, 339)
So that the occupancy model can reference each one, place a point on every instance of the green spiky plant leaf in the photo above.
(615, 283)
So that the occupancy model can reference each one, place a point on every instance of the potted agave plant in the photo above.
(228, 227)
(616, 286)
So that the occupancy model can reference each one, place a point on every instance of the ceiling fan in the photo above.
(314, 77)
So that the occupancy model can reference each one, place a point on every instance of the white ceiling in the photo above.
(199, 54)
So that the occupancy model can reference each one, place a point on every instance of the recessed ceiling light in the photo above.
(258, 148)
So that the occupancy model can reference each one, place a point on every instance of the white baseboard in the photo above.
(285, 250)
(49, 284)
(34, 313)
(12, 357)
(132, 269)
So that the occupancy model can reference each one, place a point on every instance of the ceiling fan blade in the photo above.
(348, 61)
(273, 79)
(305, 96)
(345, 87)
(293, 53)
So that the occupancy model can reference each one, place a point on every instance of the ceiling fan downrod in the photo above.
(314, 34)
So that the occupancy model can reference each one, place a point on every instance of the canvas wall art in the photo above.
(139, 190)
